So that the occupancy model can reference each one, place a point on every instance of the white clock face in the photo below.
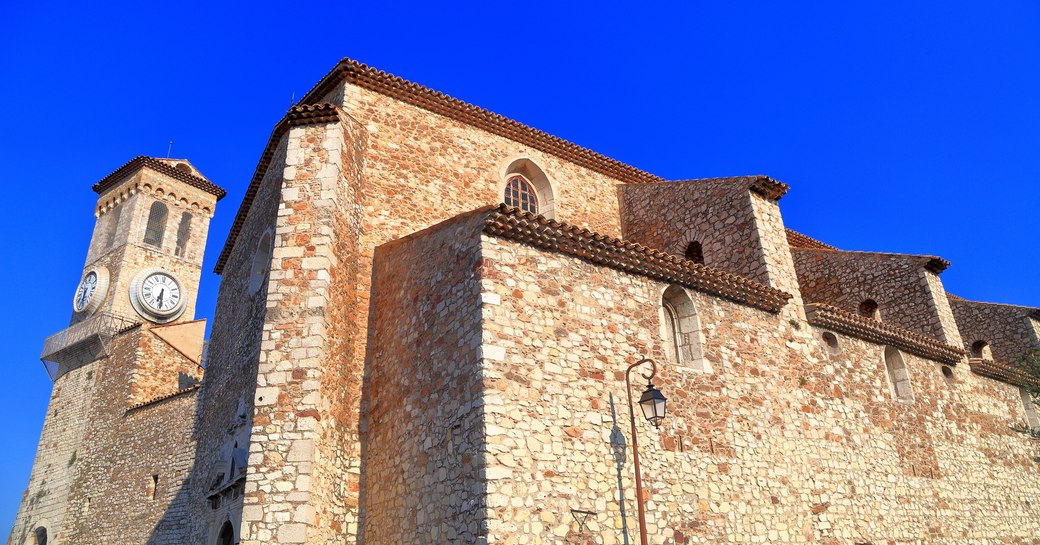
(157, 295)
(85, 291)
(91, 291)
(160, 292)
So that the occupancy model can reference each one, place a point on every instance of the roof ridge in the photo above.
(198, 182)
(163, 397)
(429, 99)
(935, 264)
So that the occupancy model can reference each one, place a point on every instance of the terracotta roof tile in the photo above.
(832, 317)
(1002, 372)
(161, 167)
(539, 231)
(157, 399)
(395, 87)
(798, 240)
(928, 262)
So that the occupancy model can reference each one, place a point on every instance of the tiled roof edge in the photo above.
(142, 161)
(928, 262)
(756, 183)
(308, 114)
(428, 99)
(157, 399)
(799, 240)
(831, 317)
(511, 223)
(1002, 372)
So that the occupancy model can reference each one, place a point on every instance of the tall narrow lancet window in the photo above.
(113, 227)
(41, 536)
(694, 252)
(681, 329)
(156, 227)
(226, 535)
(520, 194)
(183, 232)
(897, 375)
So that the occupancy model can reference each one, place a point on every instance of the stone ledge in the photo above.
(155, 400)
(830, 317)
(511, 223)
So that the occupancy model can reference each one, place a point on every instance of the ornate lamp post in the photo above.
(652, 403)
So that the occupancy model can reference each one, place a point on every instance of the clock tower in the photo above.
(131, 339)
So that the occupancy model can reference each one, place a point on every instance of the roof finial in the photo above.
(169, 149)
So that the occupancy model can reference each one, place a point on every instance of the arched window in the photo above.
(681, 329)
(113, 225)
(183, 232)
(1032, 418)
(153, 233)
(897, 375)
(41, 536)
(227, 534)
(521, 194)
(869, 309)
(694, 252)
(980, 349)
(524, 177)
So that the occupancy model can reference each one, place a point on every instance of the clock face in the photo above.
(157, 295)
(91, 291)
(160, 292)
(85, 291)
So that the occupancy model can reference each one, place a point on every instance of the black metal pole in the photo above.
(635, 443)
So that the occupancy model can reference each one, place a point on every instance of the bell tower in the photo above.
(132, 337)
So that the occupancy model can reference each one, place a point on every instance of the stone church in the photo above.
(422, 333)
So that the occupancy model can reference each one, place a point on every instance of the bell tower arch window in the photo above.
(528, 188)
(183, 232)
(156, 227)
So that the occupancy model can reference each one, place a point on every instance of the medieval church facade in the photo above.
(398, 358)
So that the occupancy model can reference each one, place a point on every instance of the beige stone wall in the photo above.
(424, 458)
(45, 501)
(785, 442)
(125, 451)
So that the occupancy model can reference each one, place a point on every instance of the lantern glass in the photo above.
(653, 404)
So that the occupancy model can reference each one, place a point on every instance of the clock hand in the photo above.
(159, 299)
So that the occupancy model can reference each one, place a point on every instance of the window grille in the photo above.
(113, 227)
(521, 194)
(153, 234)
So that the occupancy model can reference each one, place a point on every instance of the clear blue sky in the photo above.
(900, 126)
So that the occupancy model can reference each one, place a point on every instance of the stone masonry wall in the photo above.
(787, 441)
(54, 468)
(1006, 328)
(235, 343)
(160, 370)
(423, 430)
(130, 486)
(907, 295)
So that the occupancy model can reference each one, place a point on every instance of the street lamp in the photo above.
(653, 405)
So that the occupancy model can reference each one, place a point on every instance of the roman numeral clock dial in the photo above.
(157, 295)
(91, 291)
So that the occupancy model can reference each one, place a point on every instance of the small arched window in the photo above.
(227, 534)
(113, 225)
(869, 309)
(183, 232)
(897, 375)
(520, 194)
(681, 329)
(41, 536)
(156, 227)
(694, 252)
(980, 349)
